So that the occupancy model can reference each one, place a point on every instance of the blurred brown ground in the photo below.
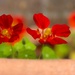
(37, 67)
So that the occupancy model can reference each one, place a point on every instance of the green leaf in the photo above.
(1, 52)
(26, 40)
(48, 53)
(5, 49)
(18, 46)
(30, 46)
(72, 55)
(27, 54)
(62, 50)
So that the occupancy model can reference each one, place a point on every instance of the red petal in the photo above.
(33, 33)
(61, 30)
(5, 39)
(17, 28)
(42, 41)
(6, 21)
(13, 38)
(56, 40)
(1, 40)
(41, 20)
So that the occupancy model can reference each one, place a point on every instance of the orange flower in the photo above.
(71, 20)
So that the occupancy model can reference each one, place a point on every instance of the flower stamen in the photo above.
(5, 32)
(47, 32)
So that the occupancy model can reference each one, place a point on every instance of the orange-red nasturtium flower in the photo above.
(71, 19)
(47, 35)
(10, 30)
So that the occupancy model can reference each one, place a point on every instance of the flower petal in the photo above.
(13, 37)
(33, 33)
(54, 41)
(17, 28)
(71, 19)
(42, 41)
(41, 20)
(61, 30)
(17, 19)
(6, 21)
(4, 39)
(1, 40)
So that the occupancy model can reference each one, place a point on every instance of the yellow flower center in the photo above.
(47, 32)
(5, 32)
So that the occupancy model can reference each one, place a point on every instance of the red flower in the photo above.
(48, 35)
(71, 19)
(10, 31)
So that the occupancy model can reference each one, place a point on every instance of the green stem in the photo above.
(39, 56)
(13, 52)
(40, 52)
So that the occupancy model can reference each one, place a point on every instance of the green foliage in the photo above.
(62, 50)
(5, 50)
(26, 40)
(30, 46)
(25, 49)
(48, 53)
(27, 54)
(22, 49)
(72, 55)
(18, 46)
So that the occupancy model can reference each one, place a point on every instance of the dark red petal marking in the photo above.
(41, 20)
(33, 33)
(5, 39)
(42, 41)
(61, 30)
(14, 37)
(54, 41)
(1, 25)
(17, 28)
(6, 20)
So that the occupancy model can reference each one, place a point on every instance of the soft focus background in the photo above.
(57, 11)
